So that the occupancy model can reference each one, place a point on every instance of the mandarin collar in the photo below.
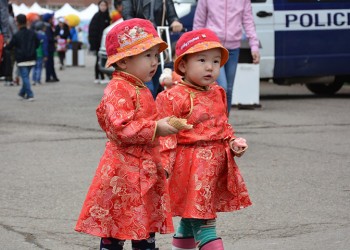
(196, 87)
(129, 78)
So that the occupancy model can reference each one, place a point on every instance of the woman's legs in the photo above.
(61, 55)
(227, 75)
(98, 73)
(50, 68)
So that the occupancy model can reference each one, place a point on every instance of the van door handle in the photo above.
(264, 14)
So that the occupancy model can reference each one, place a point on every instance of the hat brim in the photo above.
(202, 47)
(137, 49)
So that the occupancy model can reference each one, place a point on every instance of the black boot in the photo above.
(111, 244)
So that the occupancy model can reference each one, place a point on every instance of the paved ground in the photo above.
(297, 168)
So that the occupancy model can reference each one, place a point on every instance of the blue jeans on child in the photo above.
(37, 70)
(227, 75)
(26, 91)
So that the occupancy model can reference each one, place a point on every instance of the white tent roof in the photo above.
(37, 9)
(21, 9)
(65, 10)
(89, 12)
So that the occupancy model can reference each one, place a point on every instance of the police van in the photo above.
(304, 41)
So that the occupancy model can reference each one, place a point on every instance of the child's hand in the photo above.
(164, 128)
(168, 82)
(238, 146)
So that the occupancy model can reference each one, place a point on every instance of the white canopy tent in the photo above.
(89, 12)
(35, 8)
(65, 10)
(21, 9)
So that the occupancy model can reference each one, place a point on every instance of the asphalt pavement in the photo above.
(297, 168)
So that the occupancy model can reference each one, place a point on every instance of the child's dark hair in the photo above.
(115, 66)
(21, 19)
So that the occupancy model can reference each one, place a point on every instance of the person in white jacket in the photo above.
(228, 18)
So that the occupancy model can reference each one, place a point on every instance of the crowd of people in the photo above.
(30, 43)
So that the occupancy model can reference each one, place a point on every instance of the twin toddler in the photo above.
(152, 170)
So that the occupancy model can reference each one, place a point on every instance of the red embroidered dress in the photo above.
(127, 198)
(204, 178)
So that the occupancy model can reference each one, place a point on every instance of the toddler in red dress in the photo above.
(203, 176)
(127, 199)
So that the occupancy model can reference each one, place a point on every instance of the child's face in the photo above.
(201, 68)
(143, 65)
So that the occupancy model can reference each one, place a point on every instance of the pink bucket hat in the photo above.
(196, 41)
(131, 37)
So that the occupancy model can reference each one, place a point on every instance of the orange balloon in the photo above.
(31, 17)
(115, 16)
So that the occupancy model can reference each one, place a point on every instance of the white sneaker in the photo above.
(104, 81)
(97, 81)
(30, 99)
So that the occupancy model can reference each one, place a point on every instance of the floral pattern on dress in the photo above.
(204, 178)
(127, 198)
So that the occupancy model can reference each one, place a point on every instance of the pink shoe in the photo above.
(187, 243)
(213, 245)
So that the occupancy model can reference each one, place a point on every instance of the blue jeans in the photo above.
(37, 70)
(227, 75)
(50, 67)
(25, 91)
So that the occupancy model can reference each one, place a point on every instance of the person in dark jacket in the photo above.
(50, 64)
(160, 13)
(25, 43)
(99, 22)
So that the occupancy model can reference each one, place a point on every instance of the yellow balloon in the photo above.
(72, 20)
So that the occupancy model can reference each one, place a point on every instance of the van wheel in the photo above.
(324, 88)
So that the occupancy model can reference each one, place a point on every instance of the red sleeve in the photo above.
(168, 144)
(116, 115)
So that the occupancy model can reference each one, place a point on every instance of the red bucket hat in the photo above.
(131, 37)
(196, 41)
